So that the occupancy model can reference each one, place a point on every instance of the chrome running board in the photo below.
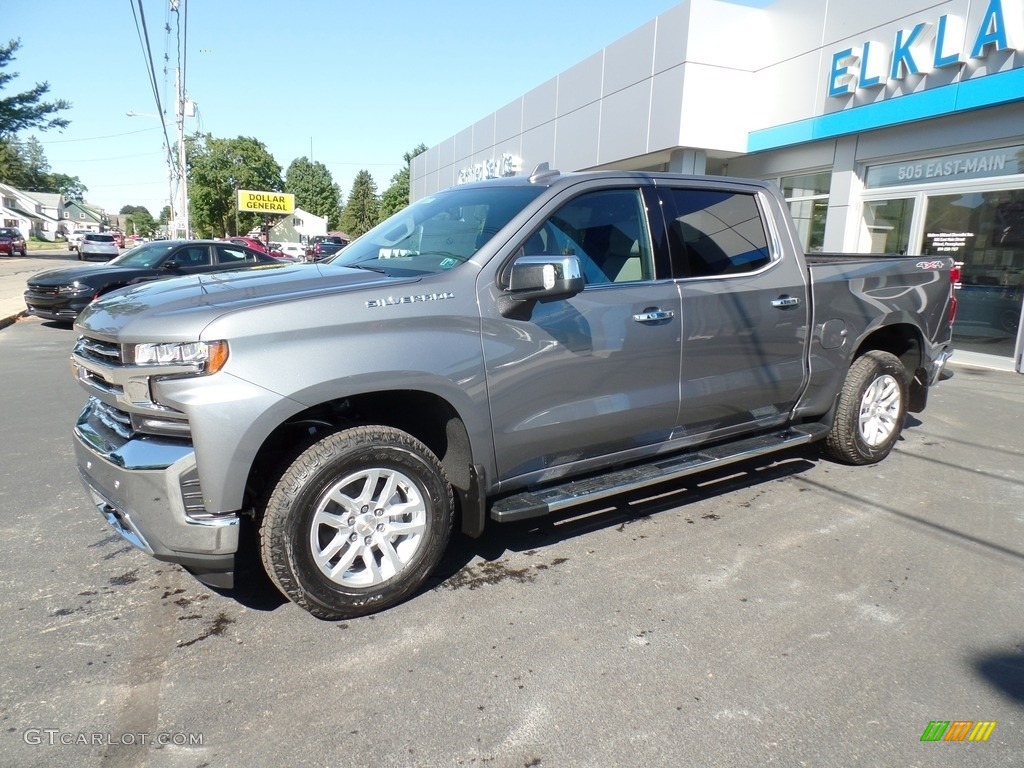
(543, 501)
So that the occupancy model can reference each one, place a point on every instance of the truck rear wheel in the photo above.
(871, 411)
(357, 523)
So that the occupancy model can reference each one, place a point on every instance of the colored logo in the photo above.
(958, 730)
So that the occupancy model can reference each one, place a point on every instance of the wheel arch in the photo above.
(905, 341)
(427, 416)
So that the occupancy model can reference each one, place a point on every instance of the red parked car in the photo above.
(11, 241)
(250, 242)
(259, 245)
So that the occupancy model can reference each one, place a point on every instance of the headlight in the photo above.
(74, 287)
(201, 356)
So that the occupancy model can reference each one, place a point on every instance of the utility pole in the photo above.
(172, 172)
(182, 107)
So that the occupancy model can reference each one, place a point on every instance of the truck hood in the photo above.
(188, 304)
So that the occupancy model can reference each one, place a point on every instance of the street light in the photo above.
(170, 161)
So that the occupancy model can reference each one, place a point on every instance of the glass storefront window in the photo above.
(887, 226)
(807, 196)
(985, 231)
(808, 185)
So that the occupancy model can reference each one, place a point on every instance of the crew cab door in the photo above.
(574, 380)
(745, 311)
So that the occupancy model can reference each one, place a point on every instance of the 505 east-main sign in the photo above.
(926, 47)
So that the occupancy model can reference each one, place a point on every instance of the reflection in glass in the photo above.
(985, 231)
(887, 226)
(807, 196)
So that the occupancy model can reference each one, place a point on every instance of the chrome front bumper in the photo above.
(137, 486)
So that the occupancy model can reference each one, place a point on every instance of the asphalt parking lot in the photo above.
(794, 612)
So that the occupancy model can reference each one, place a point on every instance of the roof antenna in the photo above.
(543, 173)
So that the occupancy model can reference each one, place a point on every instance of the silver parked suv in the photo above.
(75, 239)
(99, 244)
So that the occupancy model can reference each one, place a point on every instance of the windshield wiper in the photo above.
(369, 269)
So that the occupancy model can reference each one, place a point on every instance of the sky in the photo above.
(353, 85)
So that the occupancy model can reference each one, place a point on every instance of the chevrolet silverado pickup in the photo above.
(498, 351)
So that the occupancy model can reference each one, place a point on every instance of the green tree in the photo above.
(217, 169)
(314, 189)
(14, 169)
(360, 214)
(24, 165)
(137, 220)
(165, 214)
(70, 186)
(27, 110)
(37, 166)
(396, 196)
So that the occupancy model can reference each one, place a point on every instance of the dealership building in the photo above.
(891, 126)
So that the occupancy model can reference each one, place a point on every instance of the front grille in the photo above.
(99, 351)
(113, 419)
(43, 290)
(95, 381)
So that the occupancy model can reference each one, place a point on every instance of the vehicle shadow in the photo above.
(621, 510)
(1004, 672)
(254, 589)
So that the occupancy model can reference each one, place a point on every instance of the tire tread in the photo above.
(842, 444)
(276, 543)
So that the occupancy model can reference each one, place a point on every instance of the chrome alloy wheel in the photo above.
(880, 407)
(367, 527)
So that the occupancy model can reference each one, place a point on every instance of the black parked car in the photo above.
(61, 294)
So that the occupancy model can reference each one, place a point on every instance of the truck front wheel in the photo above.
(357, 522)
(871, 411)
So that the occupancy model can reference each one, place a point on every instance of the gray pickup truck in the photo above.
(497, 351)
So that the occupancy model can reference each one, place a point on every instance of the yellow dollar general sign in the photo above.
(958, 730)
(266, 202)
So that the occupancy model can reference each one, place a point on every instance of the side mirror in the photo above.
(545, 277)
(171, 266)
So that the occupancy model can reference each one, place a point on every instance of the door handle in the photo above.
(654, 315)
(786, 301)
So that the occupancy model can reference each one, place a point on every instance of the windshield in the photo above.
(145, 255)
(437, 233)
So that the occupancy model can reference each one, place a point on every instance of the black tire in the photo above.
(871, 411)
(317, 520)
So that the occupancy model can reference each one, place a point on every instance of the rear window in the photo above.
(100, 238)
(716, 233)
(5, 232)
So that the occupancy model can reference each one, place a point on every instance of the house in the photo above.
(11, 215)
(298, 227)
(35, 214)
(81, 215)
(51, 213)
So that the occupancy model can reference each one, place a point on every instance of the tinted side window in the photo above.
(716, 233)
(227, 254)
(192, 256)
(607, 230)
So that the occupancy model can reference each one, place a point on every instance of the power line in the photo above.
(108, 159)
(140, 28)
(97, 138)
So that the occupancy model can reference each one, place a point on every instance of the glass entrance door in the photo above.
(984, 230)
